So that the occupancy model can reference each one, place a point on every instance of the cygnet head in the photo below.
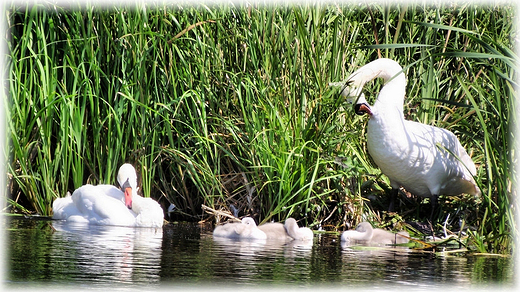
(127, 179)
(363, 232)
(364, 227)
(248, 221)
(296, 232)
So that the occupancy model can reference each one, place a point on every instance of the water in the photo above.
(48, 254)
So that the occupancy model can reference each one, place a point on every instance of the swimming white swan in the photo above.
(275, 230)
(425, 160)
(246, 229)
(288, 231)
(108, 205)
(298, 233)
(365, 233)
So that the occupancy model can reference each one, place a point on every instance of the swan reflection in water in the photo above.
(111, 254)
(247, 240)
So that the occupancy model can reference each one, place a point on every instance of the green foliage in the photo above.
(230, 105)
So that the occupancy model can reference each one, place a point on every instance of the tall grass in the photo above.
(230, 105)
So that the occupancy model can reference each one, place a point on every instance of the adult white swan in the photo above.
(246, 229)
(425, 160)
(108, 205)
(365, 233)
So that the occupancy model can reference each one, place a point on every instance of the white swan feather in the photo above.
(108, 205)
(425, 160)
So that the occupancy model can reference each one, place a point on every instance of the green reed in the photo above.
(230, 105)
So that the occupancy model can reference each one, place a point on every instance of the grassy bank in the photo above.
(231, 105)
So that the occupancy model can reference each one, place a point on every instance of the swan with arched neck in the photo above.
(427, 161)
(107, 205)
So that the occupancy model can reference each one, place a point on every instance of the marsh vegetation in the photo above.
(229, 106)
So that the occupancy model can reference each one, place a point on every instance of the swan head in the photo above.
(294, 231)
(394, 90)
(127, 179)
(363, 232)
(354, 95)
(352, 90)
(362, 107)
(248, 221)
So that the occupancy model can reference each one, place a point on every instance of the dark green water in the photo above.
(49, 254)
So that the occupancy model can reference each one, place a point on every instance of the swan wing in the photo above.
(64, 209)
(274, 230)
(149, 212)
(452, 169)
(424, 159)
(101, 205)
(354, 235)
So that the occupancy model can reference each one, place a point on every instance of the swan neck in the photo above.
(393, 92)
(367, 231)
(291, 227)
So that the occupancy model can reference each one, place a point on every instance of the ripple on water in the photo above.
(187, 253)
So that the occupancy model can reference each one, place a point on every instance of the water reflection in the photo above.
(109, 253)
(382, 263)
(241, 248)
(187, 254)
(257, 259)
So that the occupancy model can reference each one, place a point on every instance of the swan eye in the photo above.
(362, 108)
(126, 184)
(347, 84)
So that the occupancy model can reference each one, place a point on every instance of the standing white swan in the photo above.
(365, 233)
(425, 160)
(246, 229)
(108, 205)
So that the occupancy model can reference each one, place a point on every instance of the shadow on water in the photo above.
(51, 253)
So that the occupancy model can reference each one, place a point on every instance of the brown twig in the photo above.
(218, 213)
(374, 29)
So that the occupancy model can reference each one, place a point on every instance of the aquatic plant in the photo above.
(228, 106)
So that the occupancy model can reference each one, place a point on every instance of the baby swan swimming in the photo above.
(246, 229)
(296, 232)
(288, 231)
(366, 234)
(275, 231)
